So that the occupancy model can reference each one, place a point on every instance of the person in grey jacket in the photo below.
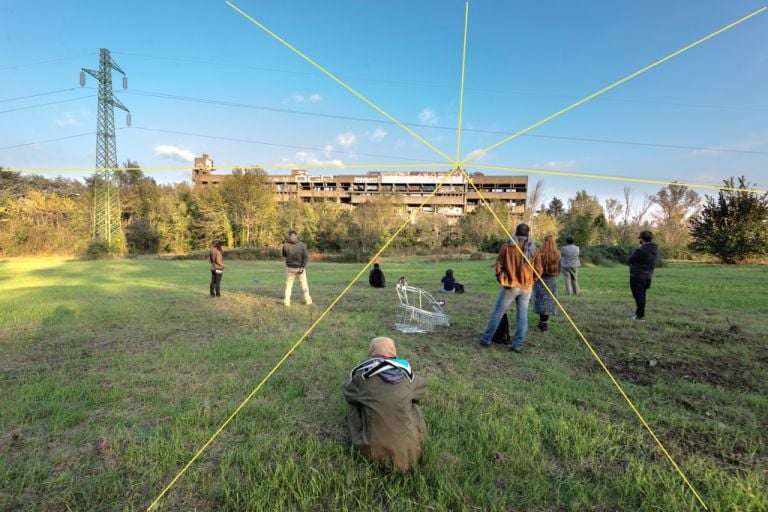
(641, 265)
(569, 263)
(296, 258)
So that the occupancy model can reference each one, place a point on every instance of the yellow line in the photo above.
(524, 170)
(592, 351)
(615, 84)
(340, 82)
(359, 166)
(407, 166)
(404, 165)
(199, 452)
(461, 90)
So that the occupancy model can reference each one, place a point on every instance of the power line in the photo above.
(27, 64)
(233, 104)
(38, 94)
(47, 140)
(262, 143)
(443, 86)
(46, 104)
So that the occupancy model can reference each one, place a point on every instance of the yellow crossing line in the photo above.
(613, 85)
(406, 166)
(340, 82)
(199, 452)
(592, 351)
(461, 89)
(615, 178)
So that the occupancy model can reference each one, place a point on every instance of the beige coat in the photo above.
(385, 420)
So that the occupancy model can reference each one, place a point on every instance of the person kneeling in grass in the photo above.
(383, 414)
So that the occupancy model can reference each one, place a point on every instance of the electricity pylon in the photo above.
(106, 193)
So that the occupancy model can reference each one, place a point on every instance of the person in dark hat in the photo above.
(641, 265)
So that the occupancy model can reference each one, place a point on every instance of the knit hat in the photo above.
(382, 347)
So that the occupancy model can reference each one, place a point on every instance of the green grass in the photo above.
(114, 373)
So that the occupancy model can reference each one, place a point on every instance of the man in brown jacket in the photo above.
(514, 272)
(383, 414)
(216, 259)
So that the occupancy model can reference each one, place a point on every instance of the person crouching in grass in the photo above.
(383, 414)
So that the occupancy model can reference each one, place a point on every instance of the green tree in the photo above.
(428, 231)
(584, 220)
(333, 226)
(251, 207)
(556, 208)
(375, 222)
(480, 229)
(733, 227)
(300, 216)
(209, 219)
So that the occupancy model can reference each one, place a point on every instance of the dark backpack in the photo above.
(502, 332)
(458, 288)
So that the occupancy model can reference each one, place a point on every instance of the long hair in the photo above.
(550, 256)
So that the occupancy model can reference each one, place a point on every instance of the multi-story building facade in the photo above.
(455, 197)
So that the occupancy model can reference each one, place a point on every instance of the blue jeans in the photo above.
(506, 297)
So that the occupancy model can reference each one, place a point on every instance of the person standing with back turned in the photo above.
(641, 265)
(570, 264)
(515, 274)
(296, 258)
(376, 277)
(216, 258)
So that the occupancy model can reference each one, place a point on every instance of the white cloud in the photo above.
(556, 164)
(346, 139)
(428, 117)
(752, 144)
(327, 149)
(174, 153)
(378, 134)
(315, 98)
(296, 98)
(309, 158)
(477, 154)
(68, 119)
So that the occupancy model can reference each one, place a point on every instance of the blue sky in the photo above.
(203, 79)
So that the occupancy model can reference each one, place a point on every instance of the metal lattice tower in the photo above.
(106, 193)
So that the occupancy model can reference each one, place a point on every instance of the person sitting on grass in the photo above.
(383, 414)
(448, 283)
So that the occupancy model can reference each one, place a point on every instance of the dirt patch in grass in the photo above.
(738, 365)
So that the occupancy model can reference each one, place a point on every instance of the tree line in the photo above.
(42, 216)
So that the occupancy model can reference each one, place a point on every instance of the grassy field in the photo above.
(114, 373)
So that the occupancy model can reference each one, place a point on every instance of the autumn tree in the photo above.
(676, 204)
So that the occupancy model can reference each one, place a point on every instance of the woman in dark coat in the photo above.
(383, 415)
(376, 277)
